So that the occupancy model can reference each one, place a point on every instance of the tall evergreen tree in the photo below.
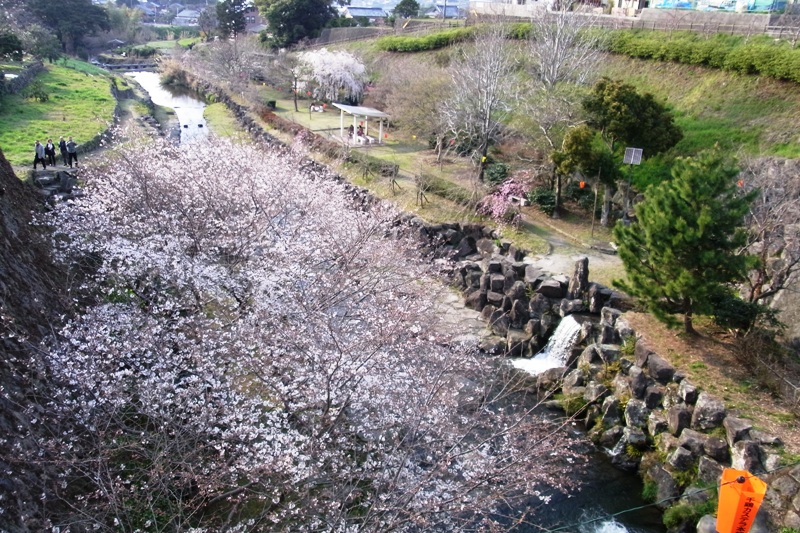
(230, 17)
(71, 20)
(682, 248)
(291, 21)
(406, 9)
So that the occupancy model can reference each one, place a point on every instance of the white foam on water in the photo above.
(557, 350)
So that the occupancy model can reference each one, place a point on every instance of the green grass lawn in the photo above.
(80, 105)
(222, 122)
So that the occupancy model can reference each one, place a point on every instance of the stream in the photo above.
(188, 107)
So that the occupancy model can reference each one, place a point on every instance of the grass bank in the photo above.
(80, 104)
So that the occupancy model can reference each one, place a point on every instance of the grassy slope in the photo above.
(80, 105)
(742, 113)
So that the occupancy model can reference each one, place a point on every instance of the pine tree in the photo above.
(682, 248)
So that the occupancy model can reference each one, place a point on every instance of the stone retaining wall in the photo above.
(24, 77)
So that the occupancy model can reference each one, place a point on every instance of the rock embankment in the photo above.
(644, 412)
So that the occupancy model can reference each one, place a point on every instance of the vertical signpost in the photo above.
(633, 156)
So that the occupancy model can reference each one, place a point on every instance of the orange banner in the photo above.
(740, 496)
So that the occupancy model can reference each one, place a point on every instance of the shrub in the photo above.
(496, 172)
(433, 41)
(544, 199)
(36, 91)
(683, 513)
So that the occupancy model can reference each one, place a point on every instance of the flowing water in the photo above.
(188, 108)
(557, 350)
(606, 490)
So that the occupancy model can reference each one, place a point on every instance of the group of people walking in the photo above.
(46, 153)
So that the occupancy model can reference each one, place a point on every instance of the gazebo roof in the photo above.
(361, 111)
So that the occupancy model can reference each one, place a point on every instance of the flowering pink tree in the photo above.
(334, 75)
(503, 204)
(253, 354)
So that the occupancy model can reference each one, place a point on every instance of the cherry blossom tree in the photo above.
(335, 75)
(254, 353)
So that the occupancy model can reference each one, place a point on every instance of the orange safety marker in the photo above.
(740, 496)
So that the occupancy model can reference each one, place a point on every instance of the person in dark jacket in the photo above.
(50, 152)
(62, 146)
(72, 152)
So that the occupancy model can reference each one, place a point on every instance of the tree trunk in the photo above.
(688, 327)
(605, 217)
(557, 204)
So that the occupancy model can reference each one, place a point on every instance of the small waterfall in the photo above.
(557, 350)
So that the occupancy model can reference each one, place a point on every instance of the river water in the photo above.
(188, 108)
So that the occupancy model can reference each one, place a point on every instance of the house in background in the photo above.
(254, 22)
(375, 15)
(187, 17)
(450, 11)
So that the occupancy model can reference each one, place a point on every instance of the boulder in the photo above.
(623, 329)
(610, 412)
(609, 353)
(589, 355)
(688, 392)
(574, 380)
(659, 369)
(475, 300)
(707, 524)
(519, 314)
(466, 246)
(736, 429)
(638, 382)
(656, 423)
(598, 297)
(486, 312)
(494, 266)
(497, 283)
(708, 471)
(609, 438)
(641, 353)
(550, 379)
(539, 305)
(678, 418)
(717, 449)
(568, 307)
(517, 343)
(517, 292)
(693, 441)
(595, 392)
(495, 299)
(533, 275)
(709, 412)
(492, 345)
(636, 414)
(681, 459)
(746, 455)
(499, 323)
(550, 288)
(765, 438)
(653, 395)
(666, 487)
(666, 444)
(579, 283)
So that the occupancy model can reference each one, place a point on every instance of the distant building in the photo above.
(374, 14)
(254, 22)
(187, 17)
(451, 11)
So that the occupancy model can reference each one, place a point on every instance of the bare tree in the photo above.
(774, 226)
(415, 91)
(561, 46)
(230, 62)
(563, 57)
(483, 90)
